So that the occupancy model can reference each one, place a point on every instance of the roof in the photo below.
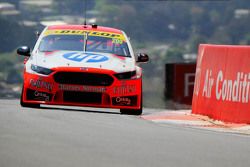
(84, 27)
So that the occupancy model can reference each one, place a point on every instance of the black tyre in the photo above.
(30, 105)
(131, 111)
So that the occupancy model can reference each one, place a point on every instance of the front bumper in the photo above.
(122, 94)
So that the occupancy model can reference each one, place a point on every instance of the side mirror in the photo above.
(24, 51)
(142, 58)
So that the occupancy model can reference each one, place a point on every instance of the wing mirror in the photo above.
(24, 51)
(142, 58)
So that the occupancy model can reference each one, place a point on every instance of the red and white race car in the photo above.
(83, 65)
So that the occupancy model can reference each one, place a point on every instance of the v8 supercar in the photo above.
(83, 65)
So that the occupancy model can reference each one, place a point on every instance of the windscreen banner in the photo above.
(222, 83)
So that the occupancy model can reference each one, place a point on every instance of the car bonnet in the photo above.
(106, 61)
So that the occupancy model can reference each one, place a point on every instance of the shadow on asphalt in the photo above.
(80, 110)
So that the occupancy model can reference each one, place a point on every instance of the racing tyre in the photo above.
(30, 105)
(131, 111)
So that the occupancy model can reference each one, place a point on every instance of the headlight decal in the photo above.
(125, 75)
(41, 70)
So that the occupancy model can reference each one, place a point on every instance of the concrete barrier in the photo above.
(222, 83)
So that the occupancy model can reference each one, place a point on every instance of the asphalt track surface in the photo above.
(82, 137)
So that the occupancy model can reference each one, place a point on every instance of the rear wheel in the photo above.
(30, 105)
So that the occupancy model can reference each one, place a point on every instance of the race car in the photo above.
(83, 65)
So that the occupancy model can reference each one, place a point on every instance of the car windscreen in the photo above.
(61, 42)
(77, 43)
(107, 45)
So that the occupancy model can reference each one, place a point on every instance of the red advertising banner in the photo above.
(222, 83)
(180, 82)
(184, 83)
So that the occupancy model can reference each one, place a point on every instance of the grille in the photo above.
(82, 97)
(81, 78)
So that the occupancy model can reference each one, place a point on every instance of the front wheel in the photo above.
(30, 105)
(131, 111)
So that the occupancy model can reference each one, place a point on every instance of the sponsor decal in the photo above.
(41, 96)
(188, 84)
(39, 83)
(117, 41)
(69, 87)
(93, 89)
(80, 88)
(123, 100)
(124, 89)
(85, 57)
(38, 95)
(232, 90)
(82, 32)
